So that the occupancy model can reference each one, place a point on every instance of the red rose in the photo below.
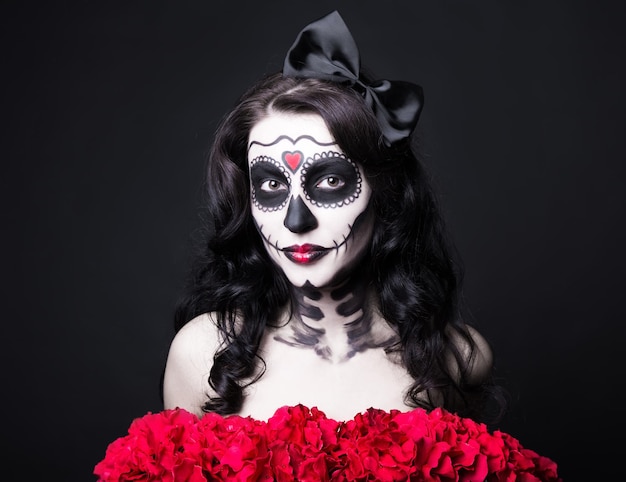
(457, 452)
(302, 442)
(233, 448)
(522, 464)
(153, 449)
(373, 447)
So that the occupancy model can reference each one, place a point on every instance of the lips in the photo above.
(304, 254)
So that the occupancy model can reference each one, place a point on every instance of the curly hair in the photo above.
(410, 259)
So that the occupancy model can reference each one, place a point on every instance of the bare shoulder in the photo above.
(479, 360)
(189, 361)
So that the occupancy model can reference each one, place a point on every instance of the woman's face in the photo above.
(310, 202)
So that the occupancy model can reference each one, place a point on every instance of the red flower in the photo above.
(233, 448)
(456, 453)
(302, 444)
(523, 464)
(373, 447)
(153, 449)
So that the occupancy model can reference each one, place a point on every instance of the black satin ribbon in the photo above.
(325, 49)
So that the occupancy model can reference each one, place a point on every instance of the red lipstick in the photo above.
(304, 254)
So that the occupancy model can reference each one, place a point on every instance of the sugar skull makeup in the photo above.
(310, 202)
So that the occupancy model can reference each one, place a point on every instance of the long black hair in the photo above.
(410, 258)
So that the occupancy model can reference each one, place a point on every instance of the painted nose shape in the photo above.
(299, 217)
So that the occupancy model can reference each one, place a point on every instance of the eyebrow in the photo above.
(283, 137)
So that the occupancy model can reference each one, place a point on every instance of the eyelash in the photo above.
(265, 185)
(329, 188)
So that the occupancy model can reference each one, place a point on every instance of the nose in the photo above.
(299, 217)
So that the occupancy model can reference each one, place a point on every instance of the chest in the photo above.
(296, 375)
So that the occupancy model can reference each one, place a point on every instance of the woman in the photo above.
(326, 279)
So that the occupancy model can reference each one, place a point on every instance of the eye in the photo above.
(330, 183)
(330, 179)
(273, 185)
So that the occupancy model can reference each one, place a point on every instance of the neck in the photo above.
(337, 323)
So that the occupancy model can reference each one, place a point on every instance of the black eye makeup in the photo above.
(270, 184)
(330, 180)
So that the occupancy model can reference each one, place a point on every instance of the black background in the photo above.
(108, 110)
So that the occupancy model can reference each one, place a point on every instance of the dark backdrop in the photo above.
(109, 108)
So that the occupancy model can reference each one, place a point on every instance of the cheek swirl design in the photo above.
(330, 180)
(270, 184)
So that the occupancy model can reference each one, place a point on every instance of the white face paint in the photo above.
(309, 201)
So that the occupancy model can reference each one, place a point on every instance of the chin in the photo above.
(302, 277)
(329, 272)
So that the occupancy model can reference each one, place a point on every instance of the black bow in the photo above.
(325, 49)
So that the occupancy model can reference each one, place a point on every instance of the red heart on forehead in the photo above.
(293, 159)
